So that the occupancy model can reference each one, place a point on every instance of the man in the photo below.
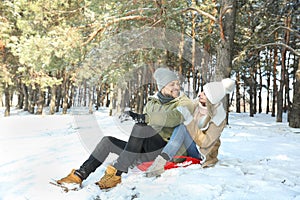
(148, 137)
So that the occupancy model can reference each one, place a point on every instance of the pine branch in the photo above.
(102, 28)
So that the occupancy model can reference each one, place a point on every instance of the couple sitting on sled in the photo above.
(171, 124)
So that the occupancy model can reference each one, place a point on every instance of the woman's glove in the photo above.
(139, 118)
(186, 114)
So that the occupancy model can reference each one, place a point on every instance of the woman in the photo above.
(203, 128)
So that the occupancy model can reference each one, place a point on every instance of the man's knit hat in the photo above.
(215, 91)
(163, 76)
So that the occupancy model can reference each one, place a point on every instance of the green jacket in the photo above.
(165, 117)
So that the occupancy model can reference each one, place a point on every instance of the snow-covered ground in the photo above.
(259, 159)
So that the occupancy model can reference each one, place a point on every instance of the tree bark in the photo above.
(71, 98)
(225, 48)
(111, 94)
(237, 92)
(31, 101)
(294, 118)
(260, 91)
(40, 102)
(65, 95)
(85, 94)
(53, 100)
(20, 94)
(7, 101)
(268, 91)
(58, 97)
(274, 82)
(26, 97)
(91, 99)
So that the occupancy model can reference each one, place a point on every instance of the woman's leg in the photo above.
(179, 137)
(190, 144)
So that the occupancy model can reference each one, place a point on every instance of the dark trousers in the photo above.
(143, 144)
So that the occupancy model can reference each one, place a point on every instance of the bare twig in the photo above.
(295, 52)
(297, 34)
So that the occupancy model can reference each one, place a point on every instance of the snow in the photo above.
(259, 159)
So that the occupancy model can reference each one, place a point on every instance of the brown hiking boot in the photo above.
(210, 163)
(110, 179)
(71, 178)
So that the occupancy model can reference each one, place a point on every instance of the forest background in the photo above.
(60, 54)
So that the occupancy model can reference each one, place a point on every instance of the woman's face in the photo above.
(202, 98)
(172, 89)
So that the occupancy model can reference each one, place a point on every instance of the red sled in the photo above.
(187, 161)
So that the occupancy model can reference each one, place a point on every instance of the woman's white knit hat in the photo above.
(163, 76)
(215, 91)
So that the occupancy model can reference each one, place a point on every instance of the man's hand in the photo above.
(139, 118)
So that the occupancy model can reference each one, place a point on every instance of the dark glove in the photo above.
(139, 118)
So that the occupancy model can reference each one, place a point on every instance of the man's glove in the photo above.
(139, 118)
(186, 114)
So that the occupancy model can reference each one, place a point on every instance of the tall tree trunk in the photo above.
(111, 94)
(119, 100)
(98, 97)
(53, 100)
(71, 98)
(20, 94)
(48, 97)
(287, 87)
(26, 97)
(268, 91)
(274, 80)
(41, 101)
(31, 100)
(283, 71)
(85, 93)
(193, 33)
(91, 99)
(286, 75)
(260, 91)
(58, 97)
(225, 47)
(7, 100)
(294, 118)
(237, 92)
(251, 92)
(140, 92)
(65, 94)
(180, 52)
(244, 98)
(255, 90)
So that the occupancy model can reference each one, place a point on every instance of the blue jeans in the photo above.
(181, 136)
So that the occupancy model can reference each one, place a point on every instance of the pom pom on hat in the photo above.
(215, 91)
(163, 76)
(228, 85)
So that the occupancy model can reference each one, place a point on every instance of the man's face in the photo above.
(172, 89)
(202, 98)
